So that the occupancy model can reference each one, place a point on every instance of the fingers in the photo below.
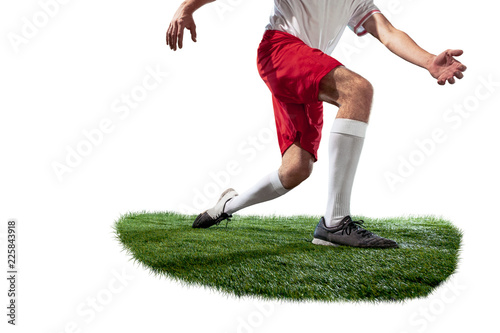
(171, 37)
(171, 41)
(446, 77)
(458, 72)
(459, 66)
(450, 78)
(456, 53)
(180, 36)
(168, 34)
(193, 32)
(451, 68)
(174, 36)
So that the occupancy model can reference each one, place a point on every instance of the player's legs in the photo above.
(292, 71)
(353, 94)
(296, 166)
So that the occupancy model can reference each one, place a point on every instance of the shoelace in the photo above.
(356, 225)
(222, 217)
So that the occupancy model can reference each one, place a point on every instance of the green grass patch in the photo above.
(273, 257)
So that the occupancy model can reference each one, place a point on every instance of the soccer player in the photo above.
(293, 60)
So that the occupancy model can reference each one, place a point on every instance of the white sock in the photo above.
(345, 144)
(266, 189)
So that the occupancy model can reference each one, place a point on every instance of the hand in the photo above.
(445, 67)
(175, 33)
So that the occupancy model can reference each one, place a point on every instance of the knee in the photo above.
(293, 175)
(362, 89)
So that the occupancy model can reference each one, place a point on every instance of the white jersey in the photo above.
(320, 23)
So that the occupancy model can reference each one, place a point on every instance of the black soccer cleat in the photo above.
(349, 233)
(216, 214)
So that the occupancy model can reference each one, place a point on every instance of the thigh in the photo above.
(339, 85)
(291, 69)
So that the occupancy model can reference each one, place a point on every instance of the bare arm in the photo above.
(183, 18)
(443, 67)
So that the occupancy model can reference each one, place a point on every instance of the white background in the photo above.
(67, 77)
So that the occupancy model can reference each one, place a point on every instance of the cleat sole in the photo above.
(317, 241)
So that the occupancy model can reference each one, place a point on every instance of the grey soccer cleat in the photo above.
(216, 214)
(349, 233)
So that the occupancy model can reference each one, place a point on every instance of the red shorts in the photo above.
(292, 71)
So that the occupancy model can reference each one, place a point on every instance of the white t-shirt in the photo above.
(320, 23)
